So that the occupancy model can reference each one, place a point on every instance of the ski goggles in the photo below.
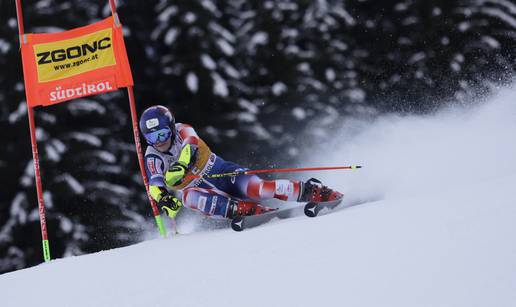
(159, 136)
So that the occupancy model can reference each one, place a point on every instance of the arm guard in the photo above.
(177, 172)
(156, 192)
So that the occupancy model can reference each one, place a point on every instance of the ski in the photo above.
(311, 209)
(240, 223)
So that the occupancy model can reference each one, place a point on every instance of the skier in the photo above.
(177, 159)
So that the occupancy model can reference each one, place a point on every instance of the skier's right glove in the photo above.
(170, 205)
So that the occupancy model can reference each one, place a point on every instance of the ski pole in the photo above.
(277, 170)
(174, 226)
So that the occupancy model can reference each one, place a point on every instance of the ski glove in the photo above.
(170, 205)
(177, 171)
(157, 192)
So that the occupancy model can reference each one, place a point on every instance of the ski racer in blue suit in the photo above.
(177, 160)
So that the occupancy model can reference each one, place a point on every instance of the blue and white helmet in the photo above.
(157, 125)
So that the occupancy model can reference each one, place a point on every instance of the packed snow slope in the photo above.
(440, 233)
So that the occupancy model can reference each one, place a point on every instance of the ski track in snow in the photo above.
(440, 233)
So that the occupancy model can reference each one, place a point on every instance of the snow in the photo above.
(330, 74)
(65, 224)
(43, 4)
(287, 6)
(49, 200)
(401, 7)
(86, 138)
(192, 82)
(12, 23)
(298, 113)
(58, 145)
(27, 179)
(492, 42)
(52, 153)
(73, 183)
(304, 67)
(16, 208)
(501, 15)
(49, 118)
(190, 18)
(341, 46)
(417, 57)
(12, 258)
(356, 95)
(248, 106)
(48, 29)
(260, 132)
(19, 86)
(167, 13)
(437, 229)
(458, 59)
(228, 36)
(208, 62)
(289, 32)
(246, 117)
(210, 6)
(112, 188)
(455, 66)
(105, 156)
(506, 4)
(279, 88)
(220, 87)
(4, 46)
(20, 112)
(225, 47)
(171, 36)
(231, 71)
(259, 38)
(410, 21)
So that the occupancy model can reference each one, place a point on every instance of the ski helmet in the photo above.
(157, 125)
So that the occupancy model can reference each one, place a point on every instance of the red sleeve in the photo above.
(188, 134)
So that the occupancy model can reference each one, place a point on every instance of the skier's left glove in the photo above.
(177, 171)
(170, 205)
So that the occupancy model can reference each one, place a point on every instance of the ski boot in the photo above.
(318, 196)
(244, 208)
(239, 210)
(314, 192)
